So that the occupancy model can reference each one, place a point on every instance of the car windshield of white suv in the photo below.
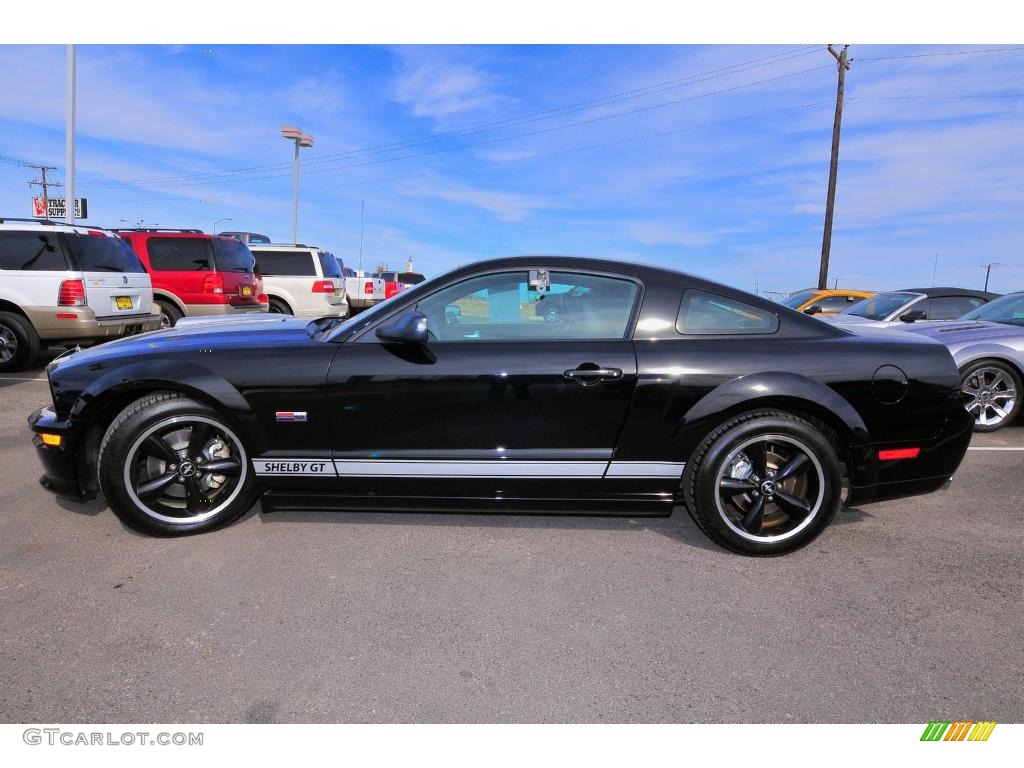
(1008, 310)
(232, 255)
(98, 253)
(881, 306)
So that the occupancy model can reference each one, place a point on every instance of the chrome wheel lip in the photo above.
(815, 508)
(8, 344)
(985, 396)
(184, 421)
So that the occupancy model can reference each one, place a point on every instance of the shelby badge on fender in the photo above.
(639, 388)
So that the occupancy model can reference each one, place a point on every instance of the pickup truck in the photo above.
(363, 290)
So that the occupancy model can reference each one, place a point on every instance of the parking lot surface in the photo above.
(904, 611)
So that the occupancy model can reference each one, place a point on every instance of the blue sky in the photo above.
(711, 159)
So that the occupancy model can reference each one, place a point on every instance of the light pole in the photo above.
(294, 133)
(138, 224)
(218, 221)
(69, 140)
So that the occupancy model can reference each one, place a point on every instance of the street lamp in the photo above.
(218, 221)
(294, 133)
(138, 224)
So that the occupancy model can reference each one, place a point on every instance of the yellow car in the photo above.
(825, 302)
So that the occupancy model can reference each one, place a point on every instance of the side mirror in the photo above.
(913, 315)
(814, 309)
(410, 328)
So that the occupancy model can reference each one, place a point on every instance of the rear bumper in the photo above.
(59, 461)
(874, 480)
(327, 310)
(203, 310)
(81, 324)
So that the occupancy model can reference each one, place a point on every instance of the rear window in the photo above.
(708, 314)
(231, 255)
(179, 253)
(285, 263)
(103, 254)
(31, 250)
(329, 264)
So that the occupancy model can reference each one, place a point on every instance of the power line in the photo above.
(941, 53)
(540, 131)
(506, 122)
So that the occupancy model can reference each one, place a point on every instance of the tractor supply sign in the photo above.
(57, 208)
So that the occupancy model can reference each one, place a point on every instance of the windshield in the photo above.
(103, 254)
(1008, 310)
(368, 315)
(797, 299)
(881, 306)
(232, 255)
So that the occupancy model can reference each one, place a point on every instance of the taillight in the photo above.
(390, 289)
(895, 454)
(71, 294)
(213, 283)
(368, 287)
(323, 286)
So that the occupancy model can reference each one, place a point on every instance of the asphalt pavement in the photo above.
(906, 611)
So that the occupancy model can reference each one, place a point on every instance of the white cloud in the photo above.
(432, 83)
(504, 206)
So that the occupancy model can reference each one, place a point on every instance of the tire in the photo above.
(19, 342)
(279, 307)
(156, 433)
(169, 313)
(723, 497)
(995, 390)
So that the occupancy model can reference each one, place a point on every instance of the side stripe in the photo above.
(457, 468)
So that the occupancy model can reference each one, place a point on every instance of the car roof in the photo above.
(14, 224)
(947, 291)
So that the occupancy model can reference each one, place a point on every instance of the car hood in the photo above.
(255, 331)
(955, 331)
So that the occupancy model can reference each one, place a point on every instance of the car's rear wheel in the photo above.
(170, 466)
(763, 483)
(169, 314)
(279, 307)
(19, 342)
(994, 392)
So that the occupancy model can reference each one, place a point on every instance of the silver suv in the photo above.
(64, 285)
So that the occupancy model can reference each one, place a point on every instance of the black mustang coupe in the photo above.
(458, 395)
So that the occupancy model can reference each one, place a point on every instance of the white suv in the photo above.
(301, 280)
(63, 285)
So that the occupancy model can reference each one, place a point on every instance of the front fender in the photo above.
(176, 375)
(986, 350)
(778, 388)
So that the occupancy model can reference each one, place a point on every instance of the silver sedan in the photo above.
(988, 347)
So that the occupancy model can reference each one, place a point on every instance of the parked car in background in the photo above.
(988, 347)
(392, 285)
(248, 238)
(825, 302)
(363, 290)
(911, 305)
(197, 274)
(677, 390)
(301, 280)
(65, 285)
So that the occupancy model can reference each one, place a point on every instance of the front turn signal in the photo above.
(48, 439)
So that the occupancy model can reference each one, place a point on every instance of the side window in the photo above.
(504, 306)
(952, 307)
(708, 314)
(179, 253)
(285, 263)
(37, 251)
(924, 305)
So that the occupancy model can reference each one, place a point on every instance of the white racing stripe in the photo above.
(995, 448)
(463, 468)
(18, 378)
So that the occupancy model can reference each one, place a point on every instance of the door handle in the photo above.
(587, 375)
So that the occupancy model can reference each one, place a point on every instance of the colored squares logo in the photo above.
(959, 730)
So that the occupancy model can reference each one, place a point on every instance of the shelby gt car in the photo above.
(457, 395)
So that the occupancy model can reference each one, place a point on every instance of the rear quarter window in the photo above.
(37, 251)
(285, 263)
(179, 253)
(707, 314)
(329, 265)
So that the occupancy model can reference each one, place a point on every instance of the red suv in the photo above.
(197, 274)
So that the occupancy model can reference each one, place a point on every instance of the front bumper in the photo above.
(60, 464)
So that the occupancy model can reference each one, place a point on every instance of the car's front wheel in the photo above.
(170, 466)
(763, 483)
(993, 390)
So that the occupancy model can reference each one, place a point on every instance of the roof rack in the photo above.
(160, 229)
(287, 245)
(26, 220)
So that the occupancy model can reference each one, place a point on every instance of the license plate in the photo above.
(246, 290)
(123, 302)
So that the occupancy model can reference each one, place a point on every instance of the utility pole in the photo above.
(69, 141)
(988, 271)
(45, 185)
(362, 221)
(826, 240)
